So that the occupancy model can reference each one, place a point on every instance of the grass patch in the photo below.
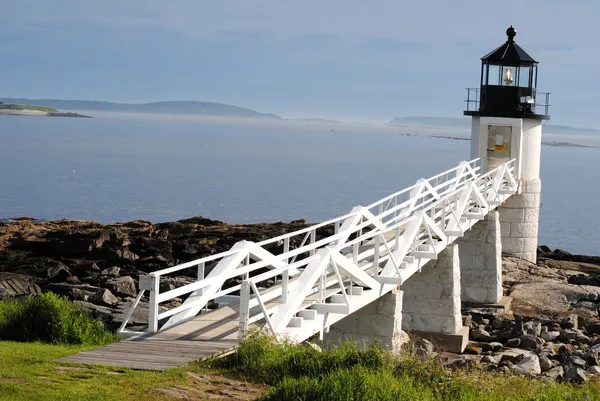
(26, 107)
(50, 318)
(29, 372)
(299, 372)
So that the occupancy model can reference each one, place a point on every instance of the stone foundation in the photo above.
(380, 321)
(480, 253)
(519, 221)
(432, 298)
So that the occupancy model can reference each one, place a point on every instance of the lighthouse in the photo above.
(508, 113)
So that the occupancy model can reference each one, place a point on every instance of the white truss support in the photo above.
(305, 283)
(260, 253)
(347, 228)
(356, 274)
(406, 241)
(222, 270)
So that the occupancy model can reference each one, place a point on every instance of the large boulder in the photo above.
(123, 286)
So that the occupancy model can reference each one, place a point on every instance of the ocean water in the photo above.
(120, 167)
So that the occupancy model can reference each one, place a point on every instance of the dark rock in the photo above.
(473, 350)
(570, 322)
(112, 271)
(58, 273)
(17, 285)
(593, 328)
(565, 349)
(513, 342)
(529, 342)
(592, 359)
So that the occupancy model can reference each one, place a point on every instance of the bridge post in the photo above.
(380, 321)
(432, 303)
(480, 253)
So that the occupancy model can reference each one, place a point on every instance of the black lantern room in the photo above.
(508, 85)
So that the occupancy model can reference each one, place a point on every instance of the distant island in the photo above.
(34, 110)
(166, 107)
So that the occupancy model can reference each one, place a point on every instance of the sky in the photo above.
(344, 59)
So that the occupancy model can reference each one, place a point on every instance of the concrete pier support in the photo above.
(519, 220)
(480, 253)
(432, 302)
(380, 321)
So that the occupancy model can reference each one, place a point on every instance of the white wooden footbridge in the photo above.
(343, 275)
(305, 289)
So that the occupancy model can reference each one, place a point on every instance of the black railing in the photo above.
(529, 105)
(472, 99)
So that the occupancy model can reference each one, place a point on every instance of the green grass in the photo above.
(33, 368)
(26, 107)
(299, 372)
(50, 318)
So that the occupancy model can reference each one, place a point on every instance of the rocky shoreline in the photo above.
(553, 329)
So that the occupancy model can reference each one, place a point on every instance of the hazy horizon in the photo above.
(335, 60)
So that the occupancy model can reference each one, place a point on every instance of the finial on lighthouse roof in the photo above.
(511, 33)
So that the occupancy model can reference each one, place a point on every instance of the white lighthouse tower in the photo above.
(507, 124)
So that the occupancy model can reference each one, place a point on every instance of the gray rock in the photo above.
(123, 286)
(545, 363)
(533, 328)
(575, 374)
(489, 359)
(548, 335)
(530, 364)
(455, 363)
(513, 342)
(594, 370)
(497, 347)
(577, 361)
(104, 297)
(555, 373)
(481, 335)
(568, 334)
(81, 295)
(424, 348)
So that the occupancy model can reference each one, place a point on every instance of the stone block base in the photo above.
(448, 342)
(380, 321)
(519, 221)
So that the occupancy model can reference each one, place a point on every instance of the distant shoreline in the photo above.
(40, 113)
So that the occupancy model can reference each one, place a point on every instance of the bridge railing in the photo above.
(256, 267)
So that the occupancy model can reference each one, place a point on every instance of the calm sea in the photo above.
(119, 167)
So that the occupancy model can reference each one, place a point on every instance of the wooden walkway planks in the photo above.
(207, 335)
